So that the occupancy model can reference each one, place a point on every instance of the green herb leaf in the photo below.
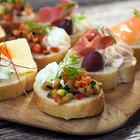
(137, 13)
(111, 36)
(99, 30)
(78, 17)
(37, 28)
(93, 83)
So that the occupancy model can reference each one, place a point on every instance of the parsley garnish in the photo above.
(69, 67)
(37, 28)
(79, 17)
(137, 13)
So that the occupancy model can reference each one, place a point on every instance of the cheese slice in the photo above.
(21, 55)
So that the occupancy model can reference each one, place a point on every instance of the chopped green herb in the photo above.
(66, 88)
(49, 87)
(137, 13)
(37, 28)
(93, 83)
(69, 63)
(79, 17)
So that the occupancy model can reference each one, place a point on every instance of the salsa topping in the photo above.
(42, 39)
(71, 82)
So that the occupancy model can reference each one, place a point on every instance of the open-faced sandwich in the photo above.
(107, 60)
(129, 32)
(2, 34)
(12, 12)
(66, 91)
(61, 15)
(47, 43)
(17, 69)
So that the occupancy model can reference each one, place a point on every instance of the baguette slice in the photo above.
(23, 58)
(89, 106)
(2, 34)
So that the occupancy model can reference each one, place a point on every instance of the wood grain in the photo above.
(121, 103)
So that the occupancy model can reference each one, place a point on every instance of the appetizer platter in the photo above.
(58, 72)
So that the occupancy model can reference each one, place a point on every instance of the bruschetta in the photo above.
(17, 69)
(66, 91)
(12, 12)
(47, 43)
(107, 60)
(62, 15)
(129, 32)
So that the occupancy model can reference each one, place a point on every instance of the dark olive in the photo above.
(93, 62)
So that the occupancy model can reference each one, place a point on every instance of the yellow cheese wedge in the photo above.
(21, 55)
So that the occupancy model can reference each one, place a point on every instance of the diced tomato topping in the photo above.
(78, 96)
(40, 37)
(58, 99)
(54, 49)
(37, 48)
(16, 32)
(77, 83)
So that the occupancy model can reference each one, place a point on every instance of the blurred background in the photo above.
(101, 12)
(37, 3)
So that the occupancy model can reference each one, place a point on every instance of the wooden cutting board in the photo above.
(121, 104)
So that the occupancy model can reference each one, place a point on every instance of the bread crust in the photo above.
(43, 60)
(13, 88)
(86, 107)
(108, 79)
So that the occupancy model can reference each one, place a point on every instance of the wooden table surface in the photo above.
(102, 12)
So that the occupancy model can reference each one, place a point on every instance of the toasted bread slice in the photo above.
(86, 107)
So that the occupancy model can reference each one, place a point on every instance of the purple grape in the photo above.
(66, 24)
(93, 62)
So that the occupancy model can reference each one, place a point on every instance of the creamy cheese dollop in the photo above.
(81, 22)
(6, 69)
(56, 37)
(117, 56)
(47, 74)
